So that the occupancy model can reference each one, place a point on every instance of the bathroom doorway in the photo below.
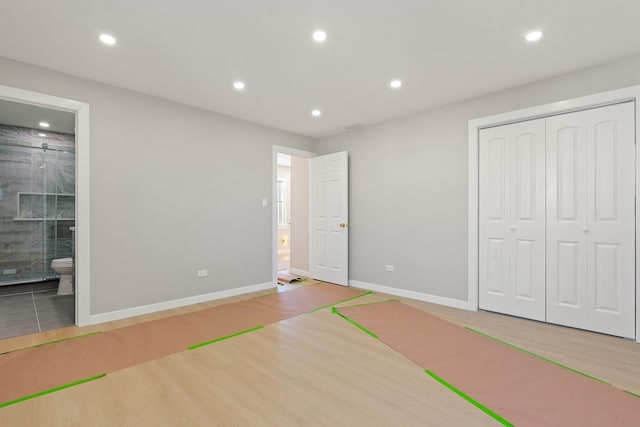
(39, 174)
(291, 214)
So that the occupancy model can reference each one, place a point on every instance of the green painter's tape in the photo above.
(631, 393)
(51, 390)
(469, 399)
(537, 355)
(371, 303)
(52, 342)
(340, 302)
(353, 322)
(202, 344)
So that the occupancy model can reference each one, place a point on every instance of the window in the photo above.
(281, 194)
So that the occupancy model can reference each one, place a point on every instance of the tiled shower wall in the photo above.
(36, 230)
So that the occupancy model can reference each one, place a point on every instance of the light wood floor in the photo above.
(314, 369)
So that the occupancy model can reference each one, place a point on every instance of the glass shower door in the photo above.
(22, 210)
(37, 204)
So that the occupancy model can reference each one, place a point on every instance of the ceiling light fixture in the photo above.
(395, 84)
(533, 36)
(316, 113)
(43, 124)
(319, 36)
(238, 85)
(107, 39)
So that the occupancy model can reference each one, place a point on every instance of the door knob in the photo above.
(343, 225)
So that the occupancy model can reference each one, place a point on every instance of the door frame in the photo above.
(82, 219)
(582, 103)
(274, 214)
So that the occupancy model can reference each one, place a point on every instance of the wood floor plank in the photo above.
(190, 388)
(313, 369)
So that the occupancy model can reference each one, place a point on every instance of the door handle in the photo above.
(343, 225)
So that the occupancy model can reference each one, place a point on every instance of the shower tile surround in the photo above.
(32, 171)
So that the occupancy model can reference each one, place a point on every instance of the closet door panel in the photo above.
(591, 220)
(512, 212)
(566, 239)
(611, 215)
(494, 197)
(527, 219)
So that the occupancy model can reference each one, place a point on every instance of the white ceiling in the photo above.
(443, 50)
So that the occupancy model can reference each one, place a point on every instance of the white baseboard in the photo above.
(299, 272)
(152, 308)
(449, 302)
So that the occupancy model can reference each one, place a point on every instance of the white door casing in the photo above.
(512, 222)
(591, 220)
(329, 235)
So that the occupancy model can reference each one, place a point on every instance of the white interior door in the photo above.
(591, 220)
(512, 219)
(329, 203)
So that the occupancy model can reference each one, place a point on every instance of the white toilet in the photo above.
(64, 267)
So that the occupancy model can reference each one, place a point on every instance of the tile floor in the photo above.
(30, 308)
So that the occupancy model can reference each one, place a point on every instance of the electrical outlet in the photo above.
(203, 273)
(389, 267)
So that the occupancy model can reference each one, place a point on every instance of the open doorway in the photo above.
(291, 216)
(46, 149)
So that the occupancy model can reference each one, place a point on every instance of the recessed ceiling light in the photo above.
(44, 135)
(319, 36)
(316, 113)
(395, 83)
(107, 39)
(44, 124)
(533, 36)
(238, 85)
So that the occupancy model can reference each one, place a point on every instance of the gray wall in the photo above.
(173, 189)
(408, 182)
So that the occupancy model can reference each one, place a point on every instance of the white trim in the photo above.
(284, 251)
(83, 217)
(605, 98)
(167, 305)
(274, 213)
(297, 272)
(448, 302)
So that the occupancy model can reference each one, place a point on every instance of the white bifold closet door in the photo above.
(591, 220)
(512, 219)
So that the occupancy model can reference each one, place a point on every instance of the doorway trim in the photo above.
(561, 107)
(81, 111)
(274, 214)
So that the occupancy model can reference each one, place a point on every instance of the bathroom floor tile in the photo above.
(55, 324)
(15, 331)
(53, 308)
(12, 304)
(42, 310)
